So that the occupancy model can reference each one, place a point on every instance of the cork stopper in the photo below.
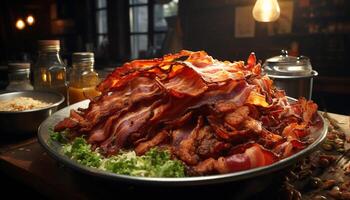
(83, 57)
(49, 45)
(18, 66)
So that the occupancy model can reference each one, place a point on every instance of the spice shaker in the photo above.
(18, 76)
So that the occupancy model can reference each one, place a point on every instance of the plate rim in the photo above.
(183, 181)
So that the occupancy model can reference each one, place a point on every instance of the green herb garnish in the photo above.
(58, 136)
(155, 163)
(80, 151)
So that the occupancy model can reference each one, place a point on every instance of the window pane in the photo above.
(158, 40)
(101, 17)
(138, 45)
(159, 20)
(102, 46)
(102, 40)
(138, 19)
(101, 3)
(170, 9)
(133, 2)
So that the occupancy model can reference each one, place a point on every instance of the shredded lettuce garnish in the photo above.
(80, 151)
(155, 163)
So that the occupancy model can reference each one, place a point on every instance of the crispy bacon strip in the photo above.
(245, 157)
(143, 147)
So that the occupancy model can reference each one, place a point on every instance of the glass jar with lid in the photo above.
(18, 76)
(83, 79)
(49, 70)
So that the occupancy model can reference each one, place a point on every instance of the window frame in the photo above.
(96, 11)
(151, 32)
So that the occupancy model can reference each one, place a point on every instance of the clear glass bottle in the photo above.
(83, 79)
(18, 76)
(49, 70)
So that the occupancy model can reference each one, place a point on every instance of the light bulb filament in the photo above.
(20, 25)
(30, 20)
(266, 10)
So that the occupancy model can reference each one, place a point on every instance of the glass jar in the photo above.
(49, 70)
(4, 81)
(83, 78)
(18, 76)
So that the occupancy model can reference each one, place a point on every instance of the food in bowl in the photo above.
(26, 122)
(186, 114)
(21, 104)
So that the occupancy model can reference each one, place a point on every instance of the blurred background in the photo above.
(119, 31)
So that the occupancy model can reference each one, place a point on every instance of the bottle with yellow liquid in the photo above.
(83, 79)
(49, 70)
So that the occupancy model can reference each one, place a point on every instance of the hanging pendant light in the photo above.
(20, 25)
(266, 10)
(30, 20)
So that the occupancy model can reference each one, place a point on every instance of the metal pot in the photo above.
(292, 74)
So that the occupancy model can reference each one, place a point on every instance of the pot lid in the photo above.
(284, 65)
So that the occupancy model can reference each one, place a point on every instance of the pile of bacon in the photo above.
(216, 117)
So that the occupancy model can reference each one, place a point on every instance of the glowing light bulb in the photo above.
(30, 20)
(20, 24)
(266, 10)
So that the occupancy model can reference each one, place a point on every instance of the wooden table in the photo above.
(29, 164)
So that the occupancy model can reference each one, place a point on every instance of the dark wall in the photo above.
(15, 42)
(321, 29)
(69, 21)
(209, 25)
